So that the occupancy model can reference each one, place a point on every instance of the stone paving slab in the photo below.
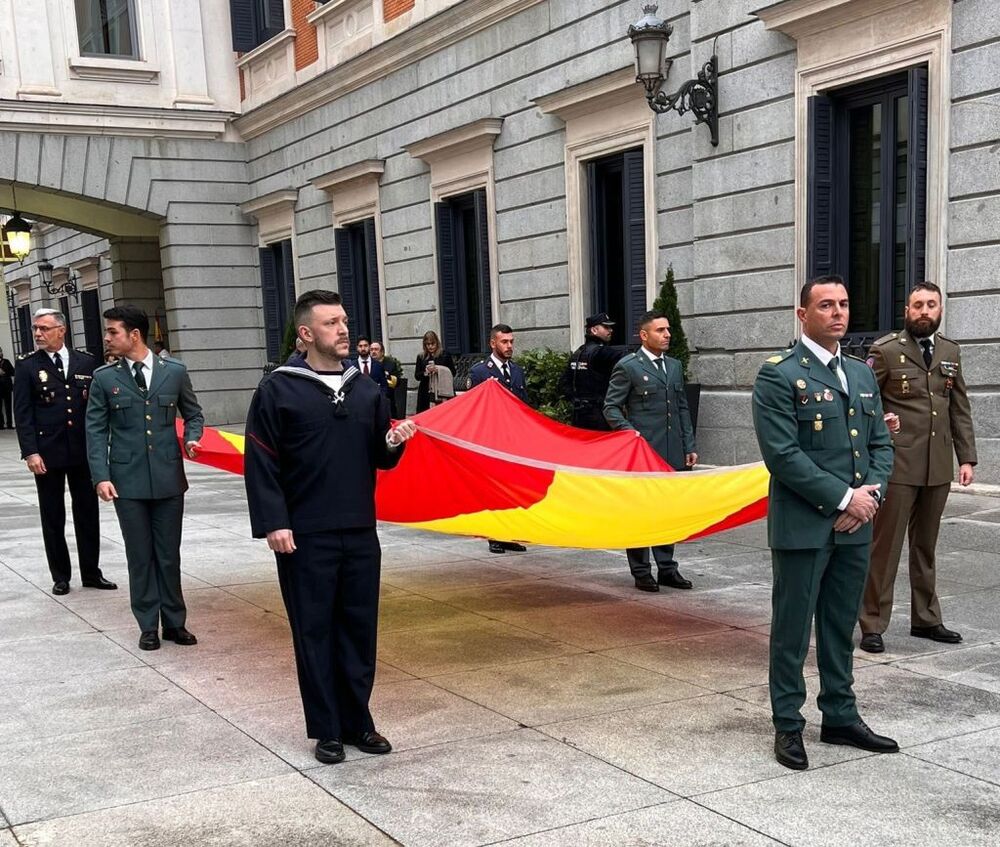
(881, 801)
(7, 838)
(976, 754)
(566, 687)
(666, 825)
(62, 656)
(94, 770)
(690, 746)
(484, 790)
(978, 667)
(281, 811)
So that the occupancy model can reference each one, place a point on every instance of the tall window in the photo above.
(255, 21)
(868, 194)
(64, 308)
(24, 328)
(357, 277)
(93, 330)
(617, 242)
(277, 282)
(107, 28)
(463, 253)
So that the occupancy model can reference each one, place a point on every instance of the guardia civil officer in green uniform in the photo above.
(646, 393)
(818, 417)
(135, 460)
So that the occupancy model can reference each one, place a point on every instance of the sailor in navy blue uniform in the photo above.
(501, 366)
(316, 433)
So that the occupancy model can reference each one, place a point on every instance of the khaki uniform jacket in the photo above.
(933, 407)
(131, 437)
(643, 398)
(817, 441)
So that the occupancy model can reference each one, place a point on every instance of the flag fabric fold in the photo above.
(485, 464)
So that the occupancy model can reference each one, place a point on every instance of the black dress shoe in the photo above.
(790, 751)
(329, 752)
(149, 640)
(179, 635)
(100, 582)
(938, 632)
(672, 579)
(646, 583)
(497, 547)
(872, 643)
(60, 587)
(514, 547)
(369, 742)
(858, 735)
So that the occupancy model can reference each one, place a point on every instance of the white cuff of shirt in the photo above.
(845, 500)
(392, 445)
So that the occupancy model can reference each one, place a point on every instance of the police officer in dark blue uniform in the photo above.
(51, 386)
(501, 367)
(588, 372)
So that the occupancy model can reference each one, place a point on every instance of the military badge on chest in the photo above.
(949, 370)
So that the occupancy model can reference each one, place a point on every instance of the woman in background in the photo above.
(428, 362)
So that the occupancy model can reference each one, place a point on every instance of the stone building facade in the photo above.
(447, 164)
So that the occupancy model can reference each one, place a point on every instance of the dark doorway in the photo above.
(617, 241)
(93, 331)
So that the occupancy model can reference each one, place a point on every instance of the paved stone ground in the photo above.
(533, 700)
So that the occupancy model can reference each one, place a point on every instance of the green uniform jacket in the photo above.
(640, 397)
(131, 438)
(816, 441)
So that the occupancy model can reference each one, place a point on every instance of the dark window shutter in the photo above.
(447, 277)
(24, 324)
(371, 266)
(597, 298)
(64, 308)
(93, 337)
(483, 265)
(273, 329)
(916, 230)
(274, 19)
(820, 231)
(287, 284)
(241, 14)
(634, 211)
(346, 282)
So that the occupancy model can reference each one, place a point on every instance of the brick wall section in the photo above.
(305, 33)
(394, 8)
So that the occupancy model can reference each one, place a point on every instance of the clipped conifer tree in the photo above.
(666, 302)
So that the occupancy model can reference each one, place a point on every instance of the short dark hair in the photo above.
(646, 318)
(132, 317)
(500, 329)
(308, 299)
(924, 286)
(830, 279)
(361, 338)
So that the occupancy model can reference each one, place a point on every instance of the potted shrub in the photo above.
(667, 303)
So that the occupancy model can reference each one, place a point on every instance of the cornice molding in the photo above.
(320, 12)
(444, 145)
(798, 18)
(367, 170)
(429, 36)
(272, 45)
(611, 89)
(282, 200)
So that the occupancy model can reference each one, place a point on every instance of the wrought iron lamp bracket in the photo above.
(699, 96)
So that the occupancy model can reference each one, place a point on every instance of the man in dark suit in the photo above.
(6, 392)
(501, 367)
(819, 422)
(370, 366)
(317, 431)
(646, 393)
(393, 373)
(922, 380)
(135, 461)
(50, 400)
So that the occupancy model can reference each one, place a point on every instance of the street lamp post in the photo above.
(68, 287)
(700, 96)
(18, 236)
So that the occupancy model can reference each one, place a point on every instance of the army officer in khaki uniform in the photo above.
(919, 372)
(819, 424)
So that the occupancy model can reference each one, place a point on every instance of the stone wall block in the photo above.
(971, 318)
(762, 330)
(974, 21)
(676, 227)
(532, 252)
(521, 223)
(743, 171)
(976, 121)
(768, 207)
(973, 269)
(537, 187)
(976, 70)
(541, 282)
(974, 221)
(745, 252)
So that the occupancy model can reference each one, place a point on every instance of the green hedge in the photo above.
(542, 371)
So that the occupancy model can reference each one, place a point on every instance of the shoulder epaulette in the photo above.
(105, 366)
(885, 339)
(856, 358)
(780, 357)
(24, 356)
(941, 335)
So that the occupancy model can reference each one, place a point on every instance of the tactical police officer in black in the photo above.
(51, 386)
(586, 378)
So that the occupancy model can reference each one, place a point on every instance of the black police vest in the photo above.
(587, 386)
